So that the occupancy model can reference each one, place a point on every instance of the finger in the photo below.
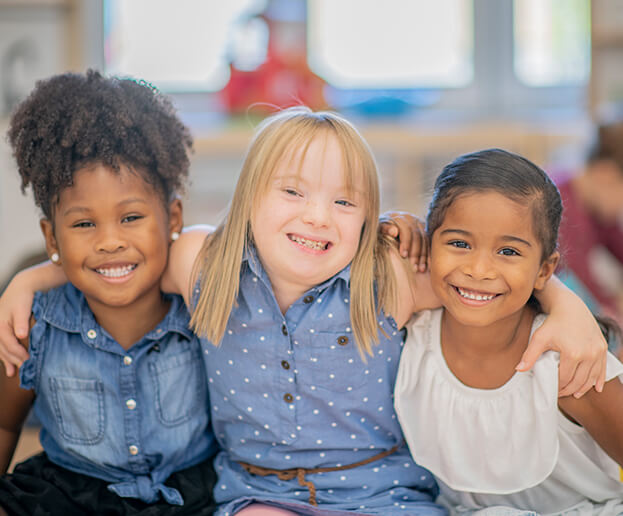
(21, 322)
(11, 360)
(415, 250)
(11, 350)
(388, 227)
(600, 378)
(535, 349)
(589, 383)
(9, 368)
(573, 382)
(405, 237)
(423, 261)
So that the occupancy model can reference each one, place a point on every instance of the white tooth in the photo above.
(312, 244)
(475, 297)
(116, 272)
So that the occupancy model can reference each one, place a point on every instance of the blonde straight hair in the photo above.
(217, 268)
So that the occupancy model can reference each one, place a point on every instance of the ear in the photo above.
(51, 246)
(547, 269)
(176, 216)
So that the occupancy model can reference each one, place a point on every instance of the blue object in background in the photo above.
(380, 102)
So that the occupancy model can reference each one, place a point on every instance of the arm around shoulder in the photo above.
(182, 255)
(414, 291)
(15, 309)
(571, 329)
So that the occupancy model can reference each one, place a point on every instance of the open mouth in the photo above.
(116, 272)
(475, 295)
(316, 245)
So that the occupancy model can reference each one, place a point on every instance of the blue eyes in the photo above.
(344, 202)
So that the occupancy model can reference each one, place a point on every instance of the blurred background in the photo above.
(424, 81)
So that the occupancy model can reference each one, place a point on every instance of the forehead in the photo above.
(96, 185)
(322, 160)
(491, 213)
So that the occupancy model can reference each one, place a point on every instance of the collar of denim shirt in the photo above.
(254, 264)
(68, 310)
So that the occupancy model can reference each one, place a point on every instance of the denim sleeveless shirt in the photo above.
(131, 417)
(293, 391)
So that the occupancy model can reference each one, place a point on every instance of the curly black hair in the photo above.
(70, 121)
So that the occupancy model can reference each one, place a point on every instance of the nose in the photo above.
(110, 239)
(316, 213)
(479, 266)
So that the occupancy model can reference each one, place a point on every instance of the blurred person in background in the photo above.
(591, 232)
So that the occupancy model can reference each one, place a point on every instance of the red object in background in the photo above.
(283, 80)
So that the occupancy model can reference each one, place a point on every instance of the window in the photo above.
(179, 46)
(370, 44)
(552, 41)
(476, 57)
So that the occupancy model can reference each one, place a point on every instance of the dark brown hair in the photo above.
(73, 120)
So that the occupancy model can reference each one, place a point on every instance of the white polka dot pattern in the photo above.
(302, 396)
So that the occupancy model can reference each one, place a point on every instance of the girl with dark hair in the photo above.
(114, 374)
(491, 435)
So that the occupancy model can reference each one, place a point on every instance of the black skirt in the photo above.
(38, 487)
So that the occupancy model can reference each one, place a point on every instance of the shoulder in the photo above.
(64, 297)
(514, 424)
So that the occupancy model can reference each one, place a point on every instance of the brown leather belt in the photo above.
(299, 473)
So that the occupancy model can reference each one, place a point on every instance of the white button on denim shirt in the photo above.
(129, 417)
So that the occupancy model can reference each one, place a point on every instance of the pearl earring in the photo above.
(174, 236)
(54, 257)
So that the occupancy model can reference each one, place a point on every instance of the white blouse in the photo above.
(507, 446)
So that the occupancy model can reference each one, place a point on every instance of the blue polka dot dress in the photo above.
(292, 391)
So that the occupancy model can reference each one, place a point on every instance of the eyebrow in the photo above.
(85, 209)
(506, 238)
(299, 179)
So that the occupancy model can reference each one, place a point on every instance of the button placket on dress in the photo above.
(287, 371)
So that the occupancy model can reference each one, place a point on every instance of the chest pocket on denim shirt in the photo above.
(180, 386)
(334, 362)
(79, 409)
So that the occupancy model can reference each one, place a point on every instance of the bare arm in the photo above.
(14, 406)
(572, 330)
(182, 256)
(410, 233)
(601, 414)
(414, 291)
(15, 309)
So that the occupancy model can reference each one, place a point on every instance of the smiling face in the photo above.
(307, 225)
(112, 232)
(485, 259)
